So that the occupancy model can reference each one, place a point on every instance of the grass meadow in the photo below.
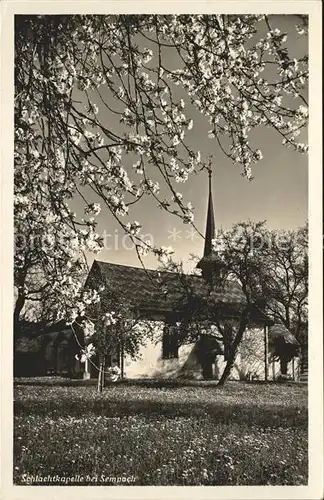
(240, 434)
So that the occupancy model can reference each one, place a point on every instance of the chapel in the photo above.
(160, 299)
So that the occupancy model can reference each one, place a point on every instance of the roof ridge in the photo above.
(145, 269)
(122, 265)
(228, 283)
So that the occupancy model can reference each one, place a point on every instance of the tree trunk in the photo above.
(20, 302)
(287, 317)
(233, 350)
(103, 368)
(20, 281)
(122, 359)
(100, 375)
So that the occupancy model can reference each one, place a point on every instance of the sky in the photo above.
(277, 194)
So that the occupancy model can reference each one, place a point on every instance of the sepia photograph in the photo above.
(161, 249)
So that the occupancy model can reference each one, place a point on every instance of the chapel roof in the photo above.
(151, 289)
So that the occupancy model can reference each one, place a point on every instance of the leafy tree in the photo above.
(284, 279)
(96, 93)
(270, 268)
(200, 310)
(273, 267)
(110, 325)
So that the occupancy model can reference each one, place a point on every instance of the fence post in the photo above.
(86, 373)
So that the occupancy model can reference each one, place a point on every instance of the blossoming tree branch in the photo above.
(96, 93)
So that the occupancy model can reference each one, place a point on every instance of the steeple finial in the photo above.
(209, 168)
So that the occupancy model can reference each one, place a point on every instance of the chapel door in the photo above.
(207, 367)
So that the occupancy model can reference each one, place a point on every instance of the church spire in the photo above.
(209, 263)
(210, 224)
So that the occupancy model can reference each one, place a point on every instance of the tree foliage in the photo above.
(110, 326)
(270, 268)
(201, 310)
